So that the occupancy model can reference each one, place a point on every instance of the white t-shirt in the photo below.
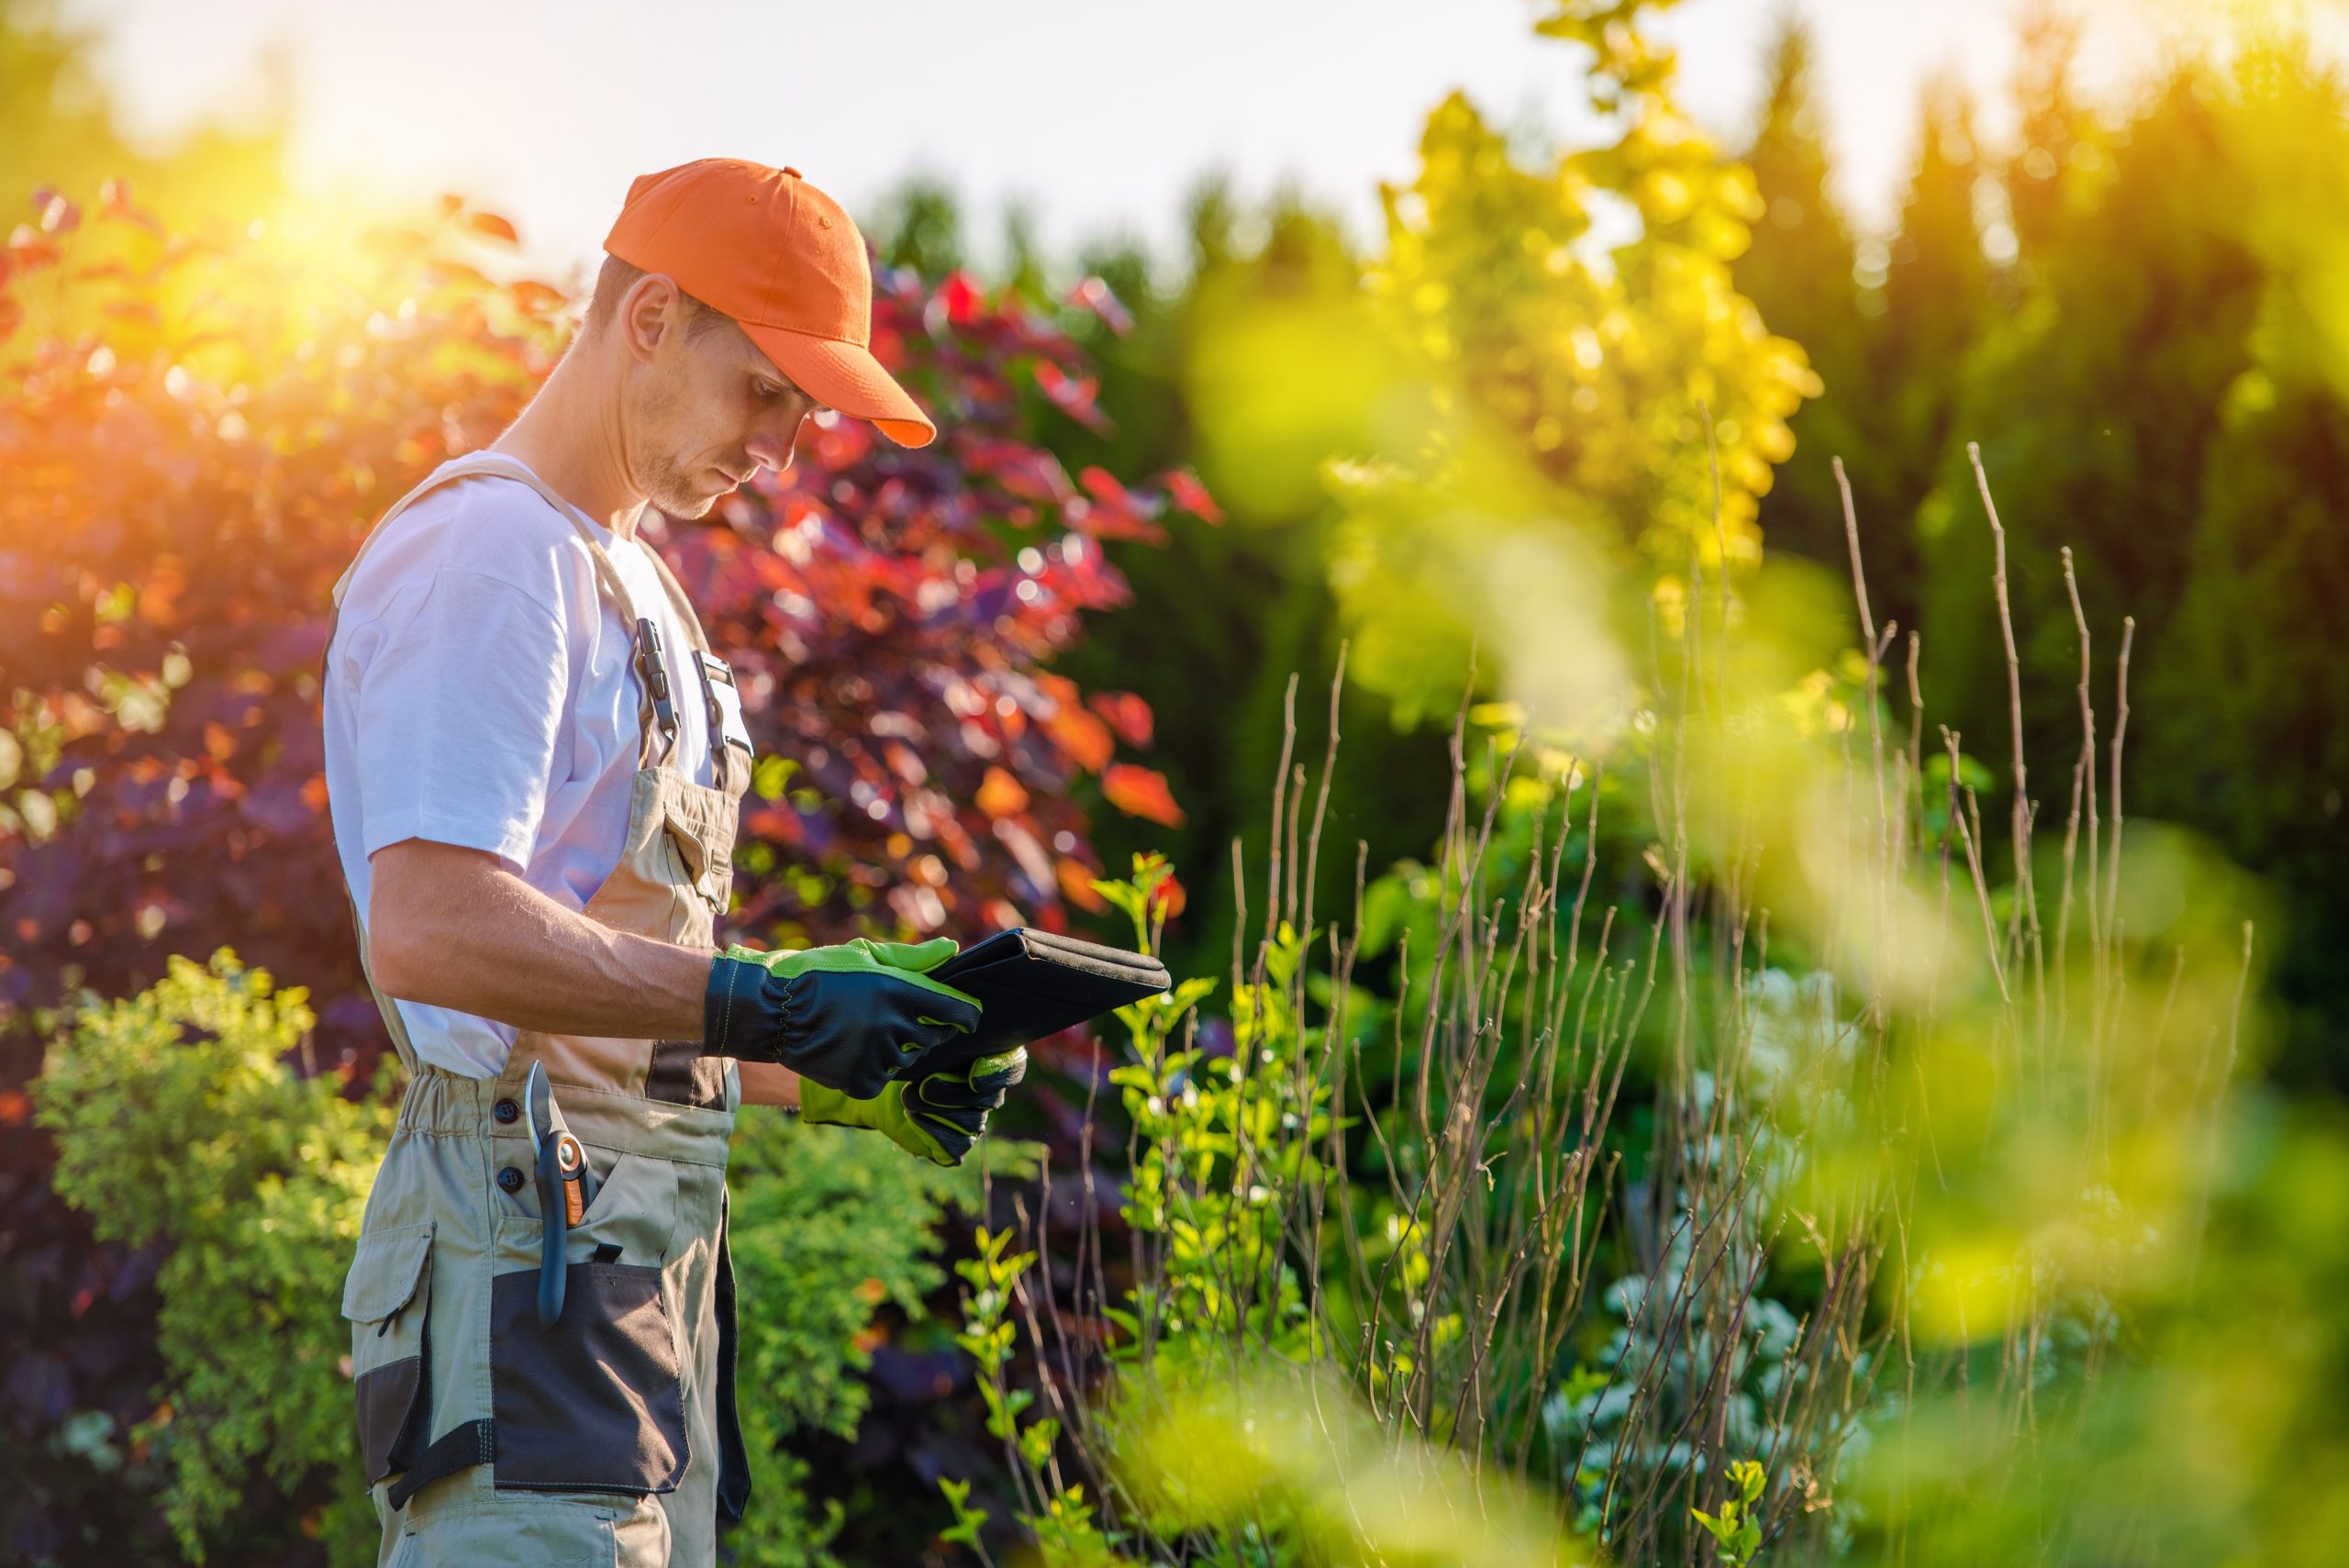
(480, 692)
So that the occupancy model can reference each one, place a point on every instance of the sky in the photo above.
(1098, 115)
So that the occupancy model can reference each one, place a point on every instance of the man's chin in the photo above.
(688, 506)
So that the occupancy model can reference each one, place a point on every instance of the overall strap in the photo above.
(728, 766)
(491, 462)
(656, 731)
(514, 468)
(652, 739)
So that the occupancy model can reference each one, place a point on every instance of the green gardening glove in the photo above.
(935, 1114)
(917, 957)
(851, 1016)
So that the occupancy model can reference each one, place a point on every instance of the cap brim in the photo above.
(846, 377)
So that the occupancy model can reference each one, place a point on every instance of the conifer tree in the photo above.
(1936, 300)
(2254, 745)
(1798, 271)
(922, 228)
(2059, 145)
(2095, 401)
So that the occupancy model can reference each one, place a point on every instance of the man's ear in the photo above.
(651, 309)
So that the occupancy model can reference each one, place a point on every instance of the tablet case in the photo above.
(1031, 983)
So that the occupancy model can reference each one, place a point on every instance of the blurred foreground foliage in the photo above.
(1763, 1129)
(1949, 1202)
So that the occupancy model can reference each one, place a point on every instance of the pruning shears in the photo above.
(563, 1193)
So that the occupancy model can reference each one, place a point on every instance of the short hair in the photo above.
(618, 277)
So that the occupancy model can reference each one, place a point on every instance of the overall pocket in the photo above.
(707, 867)
(597, 1403)
(387, 1297)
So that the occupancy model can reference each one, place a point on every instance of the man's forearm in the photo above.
(468, 934)
(764, 1083)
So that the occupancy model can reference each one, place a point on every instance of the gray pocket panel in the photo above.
(594, 1404)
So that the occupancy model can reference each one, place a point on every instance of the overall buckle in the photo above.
(654, 667)
(723, 696)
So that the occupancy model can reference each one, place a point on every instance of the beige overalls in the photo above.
(611, 1437)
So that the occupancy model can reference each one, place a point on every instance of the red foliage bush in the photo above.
(189, 468)
(195, 431)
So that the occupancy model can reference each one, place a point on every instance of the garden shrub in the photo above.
(196, 434)
(1868, 1237)
(828, 1229)
(180, 1123)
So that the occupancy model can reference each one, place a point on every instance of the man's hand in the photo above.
(851, 1019)
(935, 1114)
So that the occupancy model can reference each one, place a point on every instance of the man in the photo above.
(534, 762)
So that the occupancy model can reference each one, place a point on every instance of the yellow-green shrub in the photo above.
(178, 1121)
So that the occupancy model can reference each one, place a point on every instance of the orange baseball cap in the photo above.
(783, 260)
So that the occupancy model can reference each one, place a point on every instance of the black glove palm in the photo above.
(937, 1115)
(952, 1105)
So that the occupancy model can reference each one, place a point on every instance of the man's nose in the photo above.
(773, 446)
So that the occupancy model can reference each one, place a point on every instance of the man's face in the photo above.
(714, 410)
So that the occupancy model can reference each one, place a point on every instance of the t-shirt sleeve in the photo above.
(459, 711)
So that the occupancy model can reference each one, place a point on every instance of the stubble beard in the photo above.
(672, 490)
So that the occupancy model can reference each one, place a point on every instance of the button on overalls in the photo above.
(611, 1437)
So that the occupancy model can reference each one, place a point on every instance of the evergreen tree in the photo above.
(920, 226)
(2059, 144)
(1935, 304)
(2254, 740)
(1024, 270)
(1798, 271)
(2095, 403)
(2253, 743)
(2166, 397)
(1936, 277)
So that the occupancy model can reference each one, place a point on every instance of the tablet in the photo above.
(1031, 983)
